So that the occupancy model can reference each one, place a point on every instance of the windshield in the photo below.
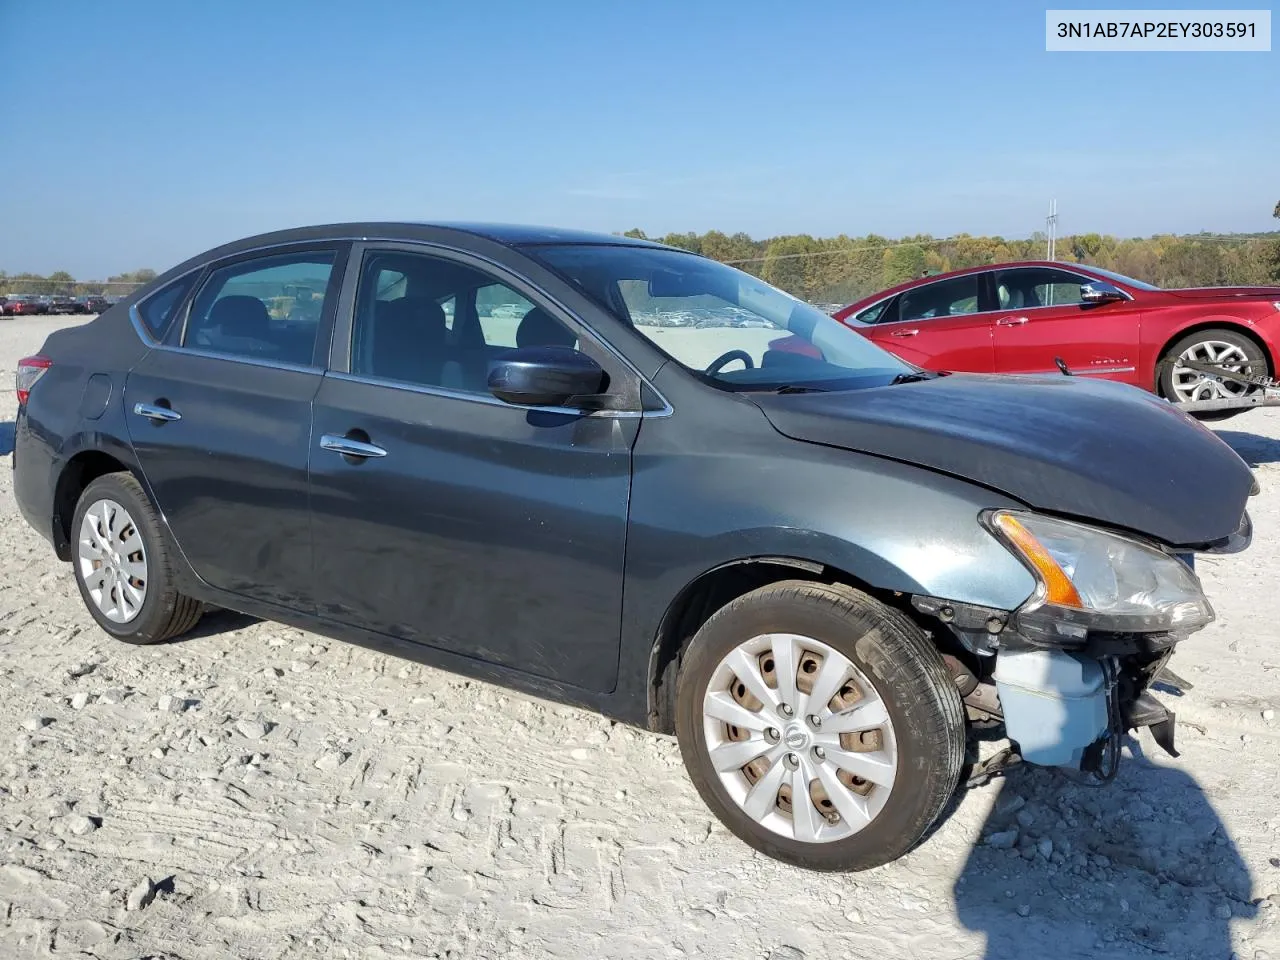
(733, 330)
(1112, 275)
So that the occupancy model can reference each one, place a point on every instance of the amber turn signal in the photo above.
(1061, 591)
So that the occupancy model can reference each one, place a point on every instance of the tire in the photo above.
(921, 740)
(1256, 356)
(163, 612)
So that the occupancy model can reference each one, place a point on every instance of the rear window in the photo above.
(159, 309)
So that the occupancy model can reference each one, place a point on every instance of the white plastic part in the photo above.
(1054, 703)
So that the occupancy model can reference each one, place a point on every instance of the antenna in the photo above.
(1051, 222)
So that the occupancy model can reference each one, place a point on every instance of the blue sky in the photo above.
(136, 133)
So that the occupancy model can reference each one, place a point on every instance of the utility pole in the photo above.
(1051, 222)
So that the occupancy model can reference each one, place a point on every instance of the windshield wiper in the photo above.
(912, 377)
(799, 388)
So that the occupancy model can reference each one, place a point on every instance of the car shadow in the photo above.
(7, 433)
(1065, 869)
(217, 622)
(1253, 449)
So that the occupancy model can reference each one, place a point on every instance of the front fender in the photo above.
(888, 525)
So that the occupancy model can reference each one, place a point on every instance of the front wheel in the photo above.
(1218, 347)
(122, 564)
(819, 725)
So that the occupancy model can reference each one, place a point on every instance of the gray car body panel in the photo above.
(1104, 452)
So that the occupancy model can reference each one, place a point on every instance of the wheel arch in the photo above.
(80, 470)
(1230, 324)
(713, 589)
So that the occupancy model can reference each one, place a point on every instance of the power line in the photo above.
(865, 246)
(1191, 237)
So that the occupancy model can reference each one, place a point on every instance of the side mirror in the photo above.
(544, 376)
(1099, 291)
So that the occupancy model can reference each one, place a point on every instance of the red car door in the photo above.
(1042, 317)
(939, 326)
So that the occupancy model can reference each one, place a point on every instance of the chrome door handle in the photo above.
(905, 333)
(1011, 321)
(156, 414)
(350, 448)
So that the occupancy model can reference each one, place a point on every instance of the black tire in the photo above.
(165, 613)
(1258, 363)
(908, 673)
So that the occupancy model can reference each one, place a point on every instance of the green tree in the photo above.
(1273, 254)
(903, 262)
(789, 265)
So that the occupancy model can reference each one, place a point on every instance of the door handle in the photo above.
(350, 448)
(1011, 321)
(156, 413)
(905, 333)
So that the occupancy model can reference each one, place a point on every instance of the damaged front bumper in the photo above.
(1068, 672)
(1059, 707)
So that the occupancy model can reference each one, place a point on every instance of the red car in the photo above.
(23, 304)
(1020, 317)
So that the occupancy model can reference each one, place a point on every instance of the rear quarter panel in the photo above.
(74, 408)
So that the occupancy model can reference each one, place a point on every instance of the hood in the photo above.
(1225, 293)
(1098, 451)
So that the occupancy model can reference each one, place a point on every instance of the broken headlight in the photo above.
(1092, 579)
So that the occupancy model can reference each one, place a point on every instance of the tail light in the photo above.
(30, 369)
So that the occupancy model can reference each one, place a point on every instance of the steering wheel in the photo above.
(728, 357)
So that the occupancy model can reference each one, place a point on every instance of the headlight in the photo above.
(1091, 579)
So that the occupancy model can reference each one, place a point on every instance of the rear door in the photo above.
(943, 325)
(1043, 317)
(220, 418)
(484, 529)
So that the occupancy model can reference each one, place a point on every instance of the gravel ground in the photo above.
(256, 791)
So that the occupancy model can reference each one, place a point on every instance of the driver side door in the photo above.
(944, 325)
(487, 530)
(1044, 317)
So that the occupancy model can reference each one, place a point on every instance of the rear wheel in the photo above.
(122, 564)
(1218, 347)
(820, 725)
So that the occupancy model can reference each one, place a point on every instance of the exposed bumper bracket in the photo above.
(1149, 712)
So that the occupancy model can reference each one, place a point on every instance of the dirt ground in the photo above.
(258, 792)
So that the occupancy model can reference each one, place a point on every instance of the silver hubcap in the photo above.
(799, 738)
(1193, 385)
(112, 561)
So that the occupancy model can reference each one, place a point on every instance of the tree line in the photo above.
(61, 282)
(845, 268)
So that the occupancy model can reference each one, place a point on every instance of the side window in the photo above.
(263, 309)
(1038, 287)
(159, 309)
(946, 298)
(432, 322)
(873, 313)
(500, 311)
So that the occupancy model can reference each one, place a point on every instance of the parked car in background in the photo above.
(23, 305)
(806, 568)
(3, 300)
(62, 304)
(1021, 317)
(93, 303)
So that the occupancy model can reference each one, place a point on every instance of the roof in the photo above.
(515, 234)
(855, 306)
